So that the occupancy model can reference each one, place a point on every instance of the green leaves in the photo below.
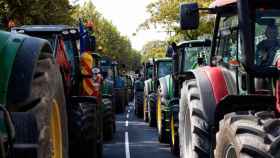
(164, 14)
(25, 12)
(154, 49)
(108, 37)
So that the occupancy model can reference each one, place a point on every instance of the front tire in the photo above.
(248, 134)
(194, 131)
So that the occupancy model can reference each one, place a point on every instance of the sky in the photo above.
(127, 15)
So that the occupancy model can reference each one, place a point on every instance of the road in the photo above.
(135, 139)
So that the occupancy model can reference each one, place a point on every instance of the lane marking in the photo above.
(128, 111)
(127, 152)
(126, 123)
(127, 116)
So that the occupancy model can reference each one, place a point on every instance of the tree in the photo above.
(113, 44)
(154, 49)
(37, 11)
(164, 14)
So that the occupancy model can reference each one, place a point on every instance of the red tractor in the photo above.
(231, 108)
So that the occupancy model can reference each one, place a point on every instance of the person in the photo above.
(267, 48)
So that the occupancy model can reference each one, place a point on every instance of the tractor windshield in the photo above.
(267, 41)
(228, 41)
(192, 55)
(164, 68)
(149, 73)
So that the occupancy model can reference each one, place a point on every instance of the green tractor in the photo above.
(186, 55)
(160, 68)
(138, 94)
(119, 90)
(109, 119)
(33, 107)
(83, 111)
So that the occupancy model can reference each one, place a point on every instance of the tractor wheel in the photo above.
(139, 104)
(174, 136)
(145, 109)
(194, 136)
(26, 133)
(248, 134)
(120, 100)
(152, 111)
(161, 123)
(108, 119)
(47, 104)
(84, 129)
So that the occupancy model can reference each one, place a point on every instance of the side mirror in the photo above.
(189, 16)
(169, 51)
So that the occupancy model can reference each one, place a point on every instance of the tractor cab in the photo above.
(186, 56)
(245, 40)
(148, 69)
(63, 40)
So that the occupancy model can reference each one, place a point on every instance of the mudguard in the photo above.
(19, 88)
(148, 86)
(9, 46)
(214, 84)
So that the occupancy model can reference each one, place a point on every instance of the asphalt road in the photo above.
(135, 139)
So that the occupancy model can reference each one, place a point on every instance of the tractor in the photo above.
(138, 94)
(82, 100)
(32, 103)
(119, 90)
(231, 108)
(186, 55)
(109, 119)
(160, 68)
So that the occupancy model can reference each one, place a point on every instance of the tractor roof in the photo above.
(163, 60)
(221, 3)
(195, 43)
(45, 29)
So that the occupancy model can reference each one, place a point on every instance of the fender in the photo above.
(9, 46)
(22, 74)
(148, 86)
(163, 92)
(214, 84)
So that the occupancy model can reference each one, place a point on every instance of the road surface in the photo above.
(135, 139)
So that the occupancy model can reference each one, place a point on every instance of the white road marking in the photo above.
(127, 116)
(126, 123)
(128, 111)
(127, 153)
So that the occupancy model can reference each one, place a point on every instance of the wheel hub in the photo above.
(56, 133)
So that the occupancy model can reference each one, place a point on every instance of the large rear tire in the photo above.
(108, 119)
(248, 134)
(47, 104)
(194, 131)
(138, 101)
(174, 136)
(162, 124)
(84, 129)
(152, 114)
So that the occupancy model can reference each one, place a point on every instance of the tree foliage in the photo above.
(164, 14)
(37, 11)
(108, 37)
(154, 49)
